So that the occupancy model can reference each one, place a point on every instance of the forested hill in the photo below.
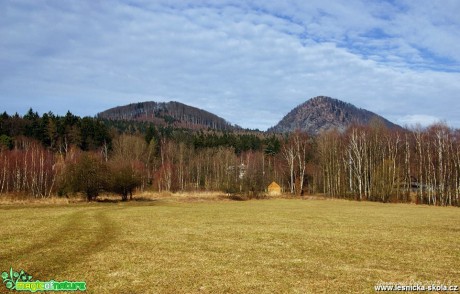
(168, 113)
(324, 113)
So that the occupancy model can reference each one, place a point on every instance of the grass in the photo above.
(266, 246)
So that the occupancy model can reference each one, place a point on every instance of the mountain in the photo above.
(324, 113)
(167, 113)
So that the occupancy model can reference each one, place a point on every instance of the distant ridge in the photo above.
(324, 113)
(167, 113)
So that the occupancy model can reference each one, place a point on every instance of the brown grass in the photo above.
(275, 246)
(13, 199)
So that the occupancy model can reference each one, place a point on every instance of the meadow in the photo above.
(257, 246)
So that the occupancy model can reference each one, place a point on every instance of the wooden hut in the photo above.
(274, 189)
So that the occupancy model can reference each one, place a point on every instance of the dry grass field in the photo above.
(259, 246)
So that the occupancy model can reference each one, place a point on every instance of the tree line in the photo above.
(56, 133)
(374, 163)
(47, 155)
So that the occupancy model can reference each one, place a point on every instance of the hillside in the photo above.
(324, 113)
(167, 113)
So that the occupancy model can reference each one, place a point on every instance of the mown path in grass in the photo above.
(269, 246)
(47, 245)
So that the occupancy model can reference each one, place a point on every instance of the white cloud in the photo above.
(417, 119)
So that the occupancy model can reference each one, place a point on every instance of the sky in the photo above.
(249, 62)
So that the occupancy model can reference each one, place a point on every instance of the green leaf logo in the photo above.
(10, 279)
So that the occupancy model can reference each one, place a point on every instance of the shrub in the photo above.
(87, 175)
(123, 179)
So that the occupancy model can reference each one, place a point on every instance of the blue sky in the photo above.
(249, 62)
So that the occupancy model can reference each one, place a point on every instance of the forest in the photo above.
(51, 155)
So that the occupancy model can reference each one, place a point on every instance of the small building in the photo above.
(274, 189)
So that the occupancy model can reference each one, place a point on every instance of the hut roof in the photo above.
(274, 185)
